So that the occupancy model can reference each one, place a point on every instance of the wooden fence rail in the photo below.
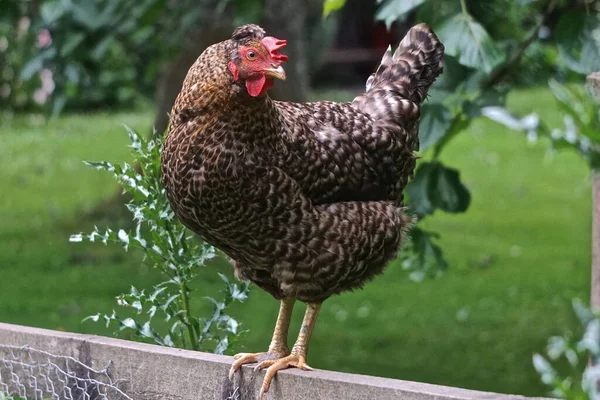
(149, 372)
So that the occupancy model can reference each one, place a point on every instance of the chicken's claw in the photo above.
(249, 358)
(241, 359)
(293, 360)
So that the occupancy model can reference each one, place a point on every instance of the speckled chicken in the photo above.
(304, 198)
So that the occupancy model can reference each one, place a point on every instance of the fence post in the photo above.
(594, 82)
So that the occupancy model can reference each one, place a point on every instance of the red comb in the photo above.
(272, 45)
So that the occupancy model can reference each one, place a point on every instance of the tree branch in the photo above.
(499, 73)
(463, 6)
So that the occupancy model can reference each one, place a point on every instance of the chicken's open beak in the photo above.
(275, 72)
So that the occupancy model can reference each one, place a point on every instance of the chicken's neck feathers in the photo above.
(212, 107)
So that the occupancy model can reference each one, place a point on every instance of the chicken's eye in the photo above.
(251, 55)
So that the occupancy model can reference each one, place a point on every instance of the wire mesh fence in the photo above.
(27, 373)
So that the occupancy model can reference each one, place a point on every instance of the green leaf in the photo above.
(99, 51)
(396, 10)
(453, 196)
(76, 238)
(58, 103)
(94, 318)
(237, 293)
(51, 11)
(137, 141)
(123, 238)
(73, 40)
(32, 67)
(580, 106)
(101, 165)
(147, 331)
(467, 40)
(563, 95)
(578, 39)
(437, 187)
(87, 14)
(435, 121)
(435, 12)
(156, 293)
(543, 367)
(221, 346)
(583, 312)
(223, 278)
(421, 256)
(418, 193)
(591, 338)
(454, 74)
(128, 323)
(332, 5)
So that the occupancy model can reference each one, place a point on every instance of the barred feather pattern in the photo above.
(396, 90)
(305, 199)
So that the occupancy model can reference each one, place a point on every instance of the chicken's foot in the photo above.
(297, 358)
(278, 347)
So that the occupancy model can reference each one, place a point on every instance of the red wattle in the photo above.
(258, 85)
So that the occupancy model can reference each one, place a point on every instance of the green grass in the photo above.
(517, 257)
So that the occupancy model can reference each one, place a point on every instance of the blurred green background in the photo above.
(73, 72)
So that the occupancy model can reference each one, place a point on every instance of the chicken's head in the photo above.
(257, 62)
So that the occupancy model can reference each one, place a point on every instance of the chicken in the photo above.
(305, 199)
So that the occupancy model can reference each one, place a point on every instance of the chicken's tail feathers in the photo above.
(396, 90)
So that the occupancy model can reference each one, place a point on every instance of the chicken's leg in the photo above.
(278, 347)
(297, 358)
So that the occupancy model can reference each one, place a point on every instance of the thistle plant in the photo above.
(571, 366)
(175, 252)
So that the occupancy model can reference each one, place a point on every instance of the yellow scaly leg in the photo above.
(278, 347)
(297, 357)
